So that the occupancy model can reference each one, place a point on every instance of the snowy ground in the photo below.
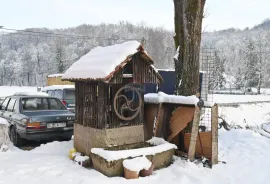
(251, 115)
(245, 152)
(220, 98)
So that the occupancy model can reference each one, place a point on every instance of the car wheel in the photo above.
(14, 137)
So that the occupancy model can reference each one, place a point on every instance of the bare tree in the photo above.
(188, 25)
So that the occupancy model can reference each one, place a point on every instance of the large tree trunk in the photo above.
(188, 25)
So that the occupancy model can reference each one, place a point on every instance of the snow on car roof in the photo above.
(30, 94)
(58, 87)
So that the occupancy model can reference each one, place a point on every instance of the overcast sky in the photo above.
(20, 14)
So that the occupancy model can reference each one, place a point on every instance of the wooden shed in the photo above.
(56, 79)
(109, 84)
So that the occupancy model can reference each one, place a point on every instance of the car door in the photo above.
(4, 107)
(17, 117)
(9, 110)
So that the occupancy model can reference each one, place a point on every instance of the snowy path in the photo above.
(246, 154)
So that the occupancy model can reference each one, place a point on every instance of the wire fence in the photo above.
(207, 68)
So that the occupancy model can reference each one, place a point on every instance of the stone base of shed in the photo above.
(86, 138)
(116, 168)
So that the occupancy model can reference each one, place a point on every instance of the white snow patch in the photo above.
(208, 104)
(30, 93)
(176, 53)
(246, 115)
(157, 141)
(79, 158)
(137, 164)
(55, 75)
(161, 97)
(166, 70)
(58, 87)
(222, 98)
(123, 154)
(101, 61)
(3, 121)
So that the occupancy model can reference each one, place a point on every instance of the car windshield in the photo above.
(39, 103)
(69, 94)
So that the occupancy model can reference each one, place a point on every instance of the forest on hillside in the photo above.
(241, 56)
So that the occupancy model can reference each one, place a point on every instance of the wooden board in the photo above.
(194, 134)
(57, 81)
(206, 140)
(179, 120)
(214, 122)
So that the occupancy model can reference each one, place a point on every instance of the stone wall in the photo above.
(86, 138)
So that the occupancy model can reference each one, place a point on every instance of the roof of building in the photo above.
(102, 62)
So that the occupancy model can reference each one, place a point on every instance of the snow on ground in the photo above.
(10, 90)
(220, 98)
(245, 152)
(263, 90)
(252, 115)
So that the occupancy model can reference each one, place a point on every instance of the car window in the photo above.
(69, 94)
(16, 107)
(35, 104)
(5, 103)
(51, 93)
(11, 104)
(56, 104)
(58, 94)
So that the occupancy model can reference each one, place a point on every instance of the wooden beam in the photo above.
(194, 134)
(157, 126)
(214, 128)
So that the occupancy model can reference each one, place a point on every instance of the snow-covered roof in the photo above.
(161, 97)
(102, 62)
(58, 87)
(160, 146)
(56, 75)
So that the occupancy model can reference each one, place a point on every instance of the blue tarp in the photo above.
(168, 84)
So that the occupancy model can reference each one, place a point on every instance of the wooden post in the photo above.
(214, 125)
(194, 134)
(158, 126)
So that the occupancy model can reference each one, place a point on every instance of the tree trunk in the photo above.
(259, 84)
(188, 25)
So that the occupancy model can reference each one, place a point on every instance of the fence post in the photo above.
(214, 129)
(194, 134)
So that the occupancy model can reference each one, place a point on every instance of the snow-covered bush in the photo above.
(4, 137)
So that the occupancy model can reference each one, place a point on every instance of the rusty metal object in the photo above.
(128, 103)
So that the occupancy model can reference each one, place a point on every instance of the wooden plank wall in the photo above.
(90, 105)
(142, 71)
(79, 95)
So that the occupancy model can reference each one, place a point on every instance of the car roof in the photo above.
(29, 96)
(59, 87)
